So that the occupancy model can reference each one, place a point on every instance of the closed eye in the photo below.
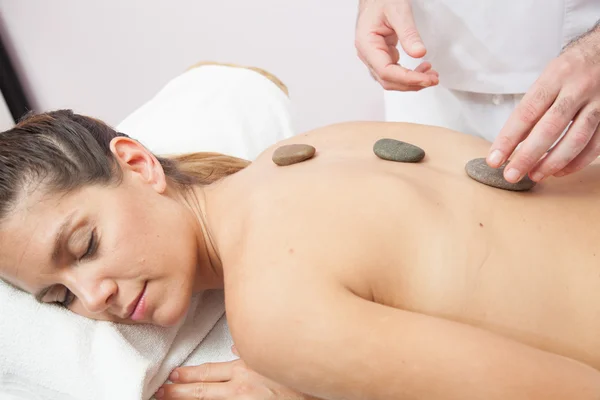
(92, 246)
(69, 297)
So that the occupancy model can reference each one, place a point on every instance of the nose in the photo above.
(95, 294)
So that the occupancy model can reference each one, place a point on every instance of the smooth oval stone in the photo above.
(395, 150)
(478, 170)
(292, 154)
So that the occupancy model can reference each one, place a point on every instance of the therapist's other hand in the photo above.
(231, 380)
(568, 90)
(380, 24)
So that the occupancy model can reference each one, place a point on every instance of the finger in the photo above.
(400, 18)
(373, 42)
(542, 137)
(195, 391)
(391, 39)
(234, 351)
(435, 77)
(375, 52)
(587, 156)
(381, 62)
(530, 109)
(423, 67)
(388, 85)
(209, 372)
(394, 54)
(571, 145)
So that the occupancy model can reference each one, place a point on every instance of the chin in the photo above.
(173, 315)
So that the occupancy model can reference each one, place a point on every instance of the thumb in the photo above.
(402, 22)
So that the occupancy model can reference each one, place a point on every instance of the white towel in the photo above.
(230, 110)
(198, 334)
(107, 361)
(216, 347)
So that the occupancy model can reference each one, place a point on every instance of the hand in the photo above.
(223, 381)
(379, 26)
(568, 90)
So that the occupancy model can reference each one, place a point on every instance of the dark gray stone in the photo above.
(478, 170)
(292, 154)
(395, 150)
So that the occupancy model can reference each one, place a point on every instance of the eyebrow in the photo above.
(56, 251)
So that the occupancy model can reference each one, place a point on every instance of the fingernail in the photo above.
(537, 177)
(512, 175)
(560, 174)
(160, 393)
(418, 46)
(174, 376)
(495, 158)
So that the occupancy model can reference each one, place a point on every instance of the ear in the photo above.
(134, 157)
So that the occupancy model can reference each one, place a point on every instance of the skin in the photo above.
(346, 269)
(144, 234)
(381, 24)
(225, 380)
(362, 248)
(568, 90)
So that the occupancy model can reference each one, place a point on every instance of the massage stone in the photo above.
(478, 170)
(292, 154)
(395, 150)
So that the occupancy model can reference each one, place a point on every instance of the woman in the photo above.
(346, 276)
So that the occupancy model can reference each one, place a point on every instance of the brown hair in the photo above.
(66, 151)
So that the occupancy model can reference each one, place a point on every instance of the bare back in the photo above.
(425, 237)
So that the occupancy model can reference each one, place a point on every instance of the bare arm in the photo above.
(334, 345)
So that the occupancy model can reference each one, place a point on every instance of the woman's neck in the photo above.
(209, 271)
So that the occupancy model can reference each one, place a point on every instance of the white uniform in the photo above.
(488, 53)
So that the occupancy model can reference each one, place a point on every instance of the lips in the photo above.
(137, 306)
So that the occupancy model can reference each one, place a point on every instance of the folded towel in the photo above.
(198, 331)
(107, 361)
(216, 347)
(234, 111)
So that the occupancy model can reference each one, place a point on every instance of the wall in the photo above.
(107, 57)
(6, 121)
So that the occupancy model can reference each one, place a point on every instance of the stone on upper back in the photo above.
(395, 150)
(478, 170)
(292, 154)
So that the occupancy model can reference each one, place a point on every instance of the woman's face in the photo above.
(125, 254)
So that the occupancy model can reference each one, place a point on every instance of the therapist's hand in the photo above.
(380, 24)
(568, 90)
(223, 381)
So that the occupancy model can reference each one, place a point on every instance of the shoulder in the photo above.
(285, 254)
(273, 300)
(272, 292)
